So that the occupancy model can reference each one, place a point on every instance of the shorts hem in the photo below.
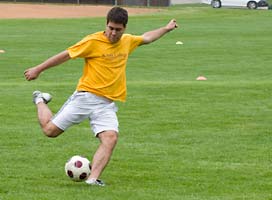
(105, 129)
(63, 129)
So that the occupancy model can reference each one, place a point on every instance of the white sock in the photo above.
(38, 100)
(90, 181)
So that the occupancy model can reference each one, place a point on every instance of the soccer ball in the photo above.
(78, 168)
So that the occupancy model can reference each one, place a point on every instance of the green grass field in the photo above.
(179, 138)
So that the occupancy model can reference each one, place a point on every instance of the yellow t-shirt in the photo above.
(105, 64)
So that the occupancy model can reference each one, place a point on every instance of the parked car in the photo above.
(251, 4)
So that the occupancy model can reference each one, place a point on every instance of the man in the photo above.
(103, 82)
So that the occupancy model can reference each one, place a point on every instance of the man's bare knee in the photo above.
(108, 137)
(51, 130)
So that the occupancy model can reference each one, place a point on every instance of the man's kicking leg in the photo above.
(45, 114)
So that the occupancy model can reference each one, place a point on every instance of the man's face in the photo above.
(114, 31)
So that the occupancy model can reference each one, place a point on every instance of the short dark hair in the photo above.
(118, 15)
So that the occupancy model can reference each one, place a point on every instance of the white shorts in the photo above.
(82, 105)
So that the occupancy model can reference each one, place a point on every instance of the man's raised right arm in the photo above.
(34, 72)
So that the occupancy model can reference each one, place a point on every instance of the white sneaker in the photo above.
(94, 181)
(41, 97)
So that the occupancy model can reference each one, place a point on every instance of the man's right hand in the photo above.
(32, 73)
